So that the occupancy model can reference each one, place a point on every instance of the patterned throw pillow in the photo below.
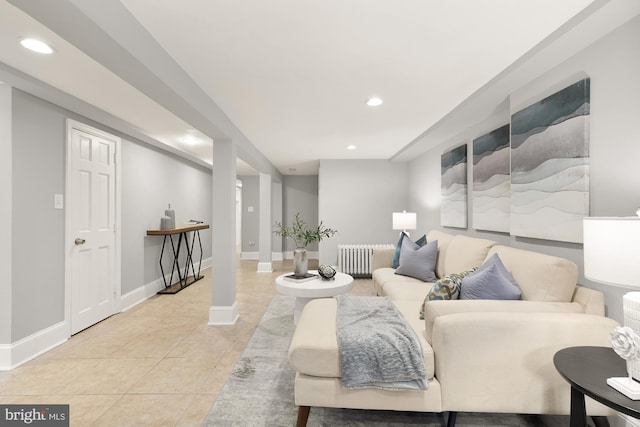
(446, 288)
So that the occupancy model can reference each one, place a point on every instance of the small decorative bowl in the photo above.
(326, 272)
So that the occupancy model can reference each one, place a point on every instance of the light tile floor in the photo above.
(156, 364)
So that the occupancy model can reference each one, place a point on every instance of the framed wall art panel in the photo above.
(550, 166)
(453, 211)
(492, 181)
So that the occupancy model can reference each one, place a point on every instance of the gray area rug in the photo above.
(259, 391)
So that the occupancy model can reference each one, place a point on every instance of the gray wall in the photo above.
(150, 180)
(38, 242)
(153, 179)
(250, 220)
(613, 64)
(299, 194)
(357, 197)
(6, 232)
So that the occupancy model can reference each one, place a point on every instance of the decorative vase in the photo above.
(300, 262)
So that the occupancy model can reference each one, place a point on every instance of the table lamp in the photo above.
(404, 221)
(612, 256)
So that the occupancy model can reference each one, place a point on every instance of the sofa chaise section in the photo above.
(481, 355)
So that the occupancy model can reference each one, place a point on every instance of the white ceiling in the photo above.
(293, 75)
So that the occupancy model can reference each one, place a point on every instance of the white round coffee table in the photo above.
(305, 291)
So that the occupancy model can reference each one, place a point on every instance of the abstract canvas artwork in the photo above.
(492, 181)
(550, 166)
(453, 212)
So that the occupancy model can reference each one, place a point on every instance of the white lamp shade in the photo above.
(404, 220)
(612, 250)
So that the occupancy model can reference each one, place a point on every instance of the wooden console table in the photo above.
(184, 279)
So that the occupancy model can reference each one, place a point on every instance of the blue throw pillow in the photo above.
(490, 281)
(418, 262)
(396, 256)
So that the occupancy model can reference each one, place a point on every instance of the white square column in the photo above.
(264, 236)
(224, 307)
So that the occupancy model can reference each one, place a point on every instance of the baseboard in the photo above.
(144, 292)
(255, 256)
(223, 315)
(28, 348)
(264, 267)
(310, 255)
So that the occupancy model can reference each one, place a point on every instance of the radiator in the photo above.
(356, 259)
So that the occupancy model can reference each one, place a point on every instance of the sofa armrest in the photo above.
(381, 257)
(503, 362)
(590, 299)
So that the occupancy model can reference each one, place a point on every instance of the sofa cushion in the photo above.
(437, 308)
(465, 253)
(382, 276)
(405, 290)
(443, 243)
(314, 346)
(418, 262)
(540, 277)
(395, 262)
(490, 281)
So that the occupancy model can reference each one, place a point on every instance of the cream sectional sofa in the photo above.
(480, 355)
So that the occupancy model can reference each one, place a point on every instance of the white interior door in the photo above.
(91, 226)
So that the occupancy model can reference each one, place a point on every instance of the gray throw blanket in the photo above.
(378, 348)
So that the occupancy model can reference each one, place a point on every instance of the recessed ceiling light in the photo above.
(351, 147)
(36, 46)
(374, 102)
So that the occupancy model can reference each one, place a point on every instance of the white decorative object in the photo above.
(165, 223)
(612, 256)
(171, 214)
(626, 343)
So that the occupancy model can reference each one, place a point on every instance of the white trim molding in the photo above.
(254, 256)
(223, 315)
(265, 267)
(28, 348)
(144, 292)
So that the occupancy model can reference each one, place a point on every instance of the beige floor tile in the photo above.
(146, 410)
(176, 375)
(109, 376)
(156, 364)
(197, 410)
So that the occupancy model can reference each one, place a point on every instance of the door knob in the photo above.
(79, 241)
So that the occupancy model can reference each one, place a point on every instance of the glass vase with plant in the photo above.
(303, 235)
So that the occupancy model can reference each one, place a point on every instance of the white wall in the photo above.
(357, 197)
(613, 64)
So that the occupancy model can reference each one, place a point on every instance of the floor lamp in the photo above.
(612, 256)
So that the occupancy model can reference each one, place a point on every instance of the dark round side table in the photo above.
(587, 370)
